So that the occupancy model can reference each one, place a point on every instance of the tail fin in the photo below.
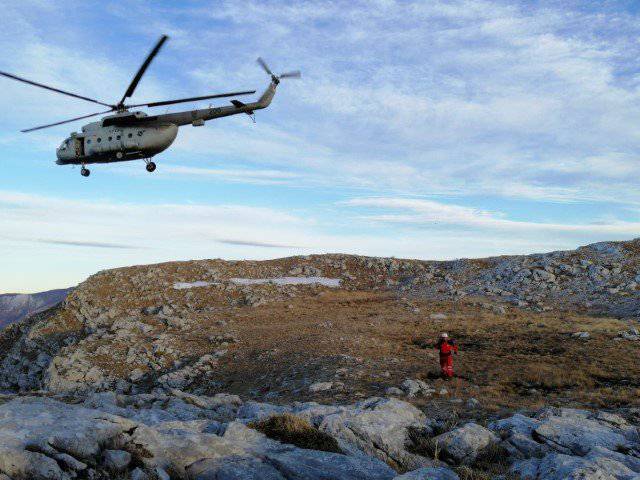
(267, 96)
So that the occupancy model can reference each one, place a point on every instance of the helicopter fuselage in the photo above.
(128, 135)
(115, 144)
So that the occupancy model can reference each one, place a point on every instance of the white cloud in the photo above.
(77, 238)
(241, 175)
(426, 212)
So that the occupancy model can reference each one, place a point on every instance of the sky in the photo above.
(432, 130)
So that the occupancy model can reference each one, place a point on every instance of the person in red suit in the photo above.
(447, 348)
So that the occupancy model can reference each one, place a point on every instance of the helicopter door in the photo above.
(79, 146)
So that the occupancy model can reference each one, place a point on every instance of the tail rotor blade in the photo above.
(294, 74)
(263, 64)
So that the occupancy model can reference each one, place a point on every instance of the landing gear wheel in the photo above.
(151, 167)
(85, 172)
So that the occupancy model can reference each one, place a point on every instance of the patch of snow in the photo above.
(324, 281)
(184, 285)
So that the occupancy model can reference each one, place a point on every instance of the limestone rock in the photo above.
(462, 445)
(577, 432)
(320, 387)
(377, 427)
(414, 388)
(116, 460)
(557, 466)
(429, 473)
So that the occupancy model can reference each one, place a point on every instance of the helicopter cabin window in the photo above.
(118, 137)
(98, 140)
(88, 141)
(110, 138)
(130, 135)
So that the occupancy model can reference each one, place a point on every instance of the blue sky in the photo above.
(420, 129)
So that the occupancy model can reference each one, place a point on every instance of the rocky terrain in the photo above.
(159, 371)
(173, 434)
(16, 306)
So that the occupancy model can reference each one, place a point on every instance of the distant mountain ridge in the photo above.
(16, 306)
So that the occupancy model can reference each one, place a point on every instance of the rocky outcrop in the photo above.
(571, 444)
(173, 434)
(168, 434)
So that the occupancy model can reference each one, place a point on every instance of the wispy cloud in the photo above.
(251, 243)
(75, 243)
(428, 212)
(245, 175)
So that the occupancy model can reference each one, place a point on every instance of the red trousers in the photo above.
(446, 365)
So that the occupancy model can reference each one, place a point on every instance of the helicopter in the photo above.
(127, 134)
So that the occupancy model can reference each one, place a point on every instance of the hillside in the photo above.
(16, 306)
(361, 323)
(162, 371)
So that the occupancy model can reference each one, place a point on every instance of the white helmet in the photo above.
(444, 335)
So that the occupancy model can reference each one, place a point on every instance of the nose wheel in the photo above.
(85, 172)
(150, 167)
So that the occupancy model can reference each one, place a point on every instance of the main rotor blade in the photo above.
(264, 65)
(143, 68)
(46, 87)
(64, 121)
(294, 74)
(192, 99)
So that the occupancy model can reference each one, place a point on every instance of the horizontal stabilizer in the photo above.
(239, 104)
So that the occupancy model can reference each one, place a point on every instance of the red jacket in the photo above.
(447, 347)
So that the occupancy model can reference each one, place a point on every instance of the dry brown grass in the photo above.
(423, 444)
(288, 428)
(368, 341)
(550, 378)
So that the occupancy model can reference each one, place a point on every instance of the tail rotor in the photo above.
(276, 78)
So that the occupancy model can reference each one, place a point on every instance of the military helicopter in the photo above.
(133, 135)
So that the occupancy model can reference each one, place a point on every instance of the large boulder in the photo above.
(42, 438)
(558, 466)
(576, 432)
(463, 445)
(517, 431)
(429, 473)
(377, 427)
(242, 452)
